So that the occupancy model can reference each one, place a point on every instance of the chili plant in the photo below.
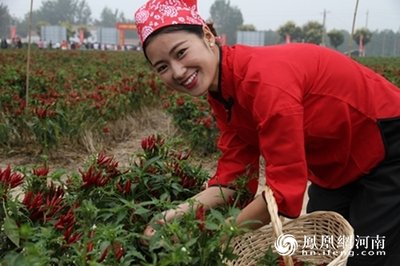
(96, 215)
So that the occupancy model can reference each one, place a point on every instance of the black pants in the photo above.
(371, 205)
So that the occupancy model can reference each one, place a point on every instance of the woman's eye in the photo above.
(181, 53)
(161, 69)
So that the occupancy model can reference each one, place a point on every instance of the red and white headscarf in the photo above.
(156, 14)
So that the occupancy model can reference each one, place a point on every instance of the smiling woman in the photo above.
(186, 60)
(313, 114)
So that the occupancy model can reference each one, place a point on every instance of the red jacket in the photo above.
(310, 111)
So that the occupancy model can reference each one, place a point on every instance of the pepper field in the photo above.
(94, 211)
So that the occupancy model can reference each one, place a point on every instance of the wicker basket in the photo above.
(322, 237)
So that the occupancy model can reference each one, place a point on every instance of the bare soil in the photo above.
(126, 142)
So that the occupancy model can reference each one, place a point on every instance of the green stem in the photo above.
(4, 209)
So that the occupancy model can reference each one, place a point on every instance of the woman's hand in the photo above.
(149, 231)
(255, 211)
(210, 197)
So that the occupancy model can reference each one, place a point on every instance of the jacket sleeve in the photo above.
(281, 136)
(237, 160)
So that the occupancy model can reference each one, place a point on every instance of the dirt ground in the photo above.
(127, 143)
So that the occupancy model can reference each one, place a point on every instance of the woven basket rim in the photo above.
(325, 222)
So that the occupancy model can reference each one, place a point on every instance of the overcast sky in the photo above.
(268, 14)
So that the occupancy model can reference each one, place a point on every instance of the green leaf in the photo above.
(57, 174)
(11, 230)
(137, 254)
(218, 215)
(269, 258)
(129, 204)
(14, 259)
(141, 211)
(212, 226)
(191, 242)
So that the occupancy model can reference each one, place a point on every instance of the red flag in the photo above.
(13, 32)
(81, 35)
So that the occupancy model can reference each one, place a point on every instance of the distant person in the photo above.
(4, 44)
(314, 114)
(64, 45)
(19, 43)
(40, 44)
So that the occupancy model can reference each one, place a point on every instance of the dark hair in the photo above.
(195, 29)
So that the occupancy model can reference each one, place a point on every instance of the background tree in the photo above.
(312, 32)
(247, 27)
(5, 21)
(365, 33)
(227, 19)
(384, 43)
(109, 18)
(336, 38)
(56, 11)
(83, 13)
(271, 37)
(290, 29)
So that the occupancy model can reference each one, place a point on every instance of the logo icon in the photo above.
(286, 245)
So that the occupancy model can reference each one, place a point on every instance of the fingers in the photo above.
(149, 231)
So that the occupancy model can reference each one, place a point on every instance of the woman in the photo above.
(312, 113)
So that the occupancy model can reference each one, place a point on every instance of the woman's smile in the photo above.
(191, 81)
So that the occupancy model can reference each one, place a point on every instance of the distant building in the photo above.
(107, 36)
(253, 38)
(258, 38)
(53, 34)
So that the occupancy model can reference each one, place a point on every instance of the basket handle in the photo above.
(276, 222)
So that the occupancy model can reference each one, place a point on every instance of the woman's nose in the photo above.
(178, 70)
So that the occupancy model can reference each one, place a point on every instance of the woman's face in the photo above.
(185, 62)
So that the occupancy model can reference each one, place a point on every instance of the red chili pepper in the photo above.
(42, 171)
(34, 204)
(93, 177)
(40, 112)
(200, 216)
(89, 247)
(66, 221)
(180, 101)
(127, 187)
(119, 187)
(27, 198)
(104, 254)
(118, 250)
(108, 164)
(67, 232)
(102, 159)
(10, 179)
(74, 238)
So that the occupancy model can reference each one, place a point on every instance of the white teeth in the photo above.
(190, 79)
